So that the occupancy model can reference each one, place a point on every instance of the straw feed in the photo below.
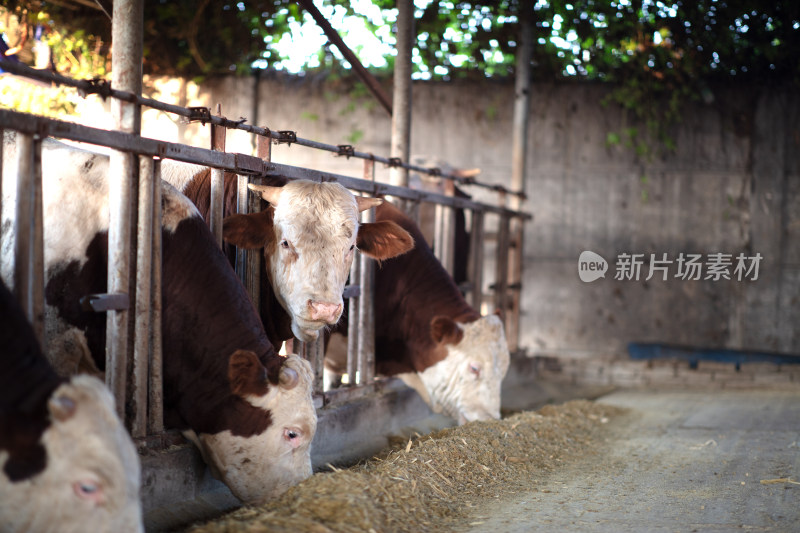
(431, 482)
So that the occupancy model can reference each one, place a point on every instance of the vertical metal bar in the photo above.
(142, 314)
(37, 245)
(444, 231)
(155, 418)
(29, 244)
(2, 143)
(476, 259)
(401, 96)
(126, 53)
(515, 282)
(366, 322)
(366, 305)
(241, 208)
(24, 224)
(217, 182)
(501, 266)
(353, 332)
(316, 356)
(522, 90)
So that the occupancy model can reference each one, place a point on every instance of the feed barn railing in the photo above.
(141, 389)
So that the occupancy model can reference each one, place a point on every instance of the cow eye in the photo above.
(284, 243)
(291, 434)
(352, 246)
(475, 369)
(86, 489)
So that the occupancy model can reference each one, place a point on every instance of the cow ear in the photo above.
(383, 240)
(445, 331)
(365, 202)
(267, 192)
(246, 374)
(249, 231)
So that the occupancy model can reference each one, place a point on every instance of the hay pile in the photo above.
(431, 481)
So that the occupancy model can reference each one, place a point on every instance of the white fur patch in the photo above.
(91, 449)
(452, 385)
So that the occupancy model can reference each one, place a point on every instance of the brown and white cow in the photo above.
(428, 335)
(309, 233)
(248, 409)
(66, 461)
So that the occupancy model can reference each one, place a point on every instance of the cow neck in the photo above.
(414, 289)
(26, 383)
(276, 320)
(197, 277)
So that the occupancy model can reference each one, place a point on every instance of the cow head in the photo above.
(91, 478)
(309, 234)
(466, 383)
(263, 466)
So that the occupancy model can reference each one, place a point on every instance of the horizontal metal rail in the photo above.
(103, 88)
(233, 162)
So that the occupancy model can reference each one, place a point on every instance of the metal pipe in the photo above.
(29, 243)
(126, 53)
(144, 298)
(522, 97)
(476, 259)
(353, 332)
(229, 161)
(401, 97)
(155, 416)
(216, 207)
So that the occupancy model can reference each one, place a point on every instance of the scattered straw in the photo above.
(432, 484)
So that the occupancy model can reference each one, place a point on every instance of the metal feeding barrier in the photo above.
(139, 384)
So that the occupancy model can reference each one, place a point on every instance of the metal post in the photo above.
(444, 230)
(29, 252)
(476, 260)
(241, 208)
(522, 89)
(366, 305)
(353, 333)
(126, 53)
(216, 207)
(155, 415)
(519, 147)
(501, 267)
(401, 98)
(142, 310)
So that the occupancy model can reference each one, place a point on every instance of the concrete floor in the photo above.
(679, 461)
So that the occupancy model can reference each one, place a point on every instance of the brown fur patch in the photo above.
(246, 374)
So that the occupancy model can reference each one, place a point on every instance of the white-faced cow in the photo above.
(66, 461)
(428, 335)
(309, 233)
(248, 409)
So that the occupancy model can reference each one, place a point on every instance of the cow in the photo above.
(429, 336)
(248, 410)
(309, 233)
(66, 461)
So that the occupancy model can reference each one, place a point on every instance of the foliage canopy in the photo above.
(664, 51)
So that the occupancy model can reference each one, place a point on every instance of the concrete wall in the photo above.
(732, 186)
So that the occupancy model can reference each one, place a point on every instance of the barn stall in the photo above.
(177, 474)
(133, 352)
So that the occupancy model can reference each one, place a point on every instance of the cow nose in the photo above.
(326, 311)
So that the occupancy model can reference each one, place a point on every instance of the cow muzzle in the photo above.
(324, 311)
